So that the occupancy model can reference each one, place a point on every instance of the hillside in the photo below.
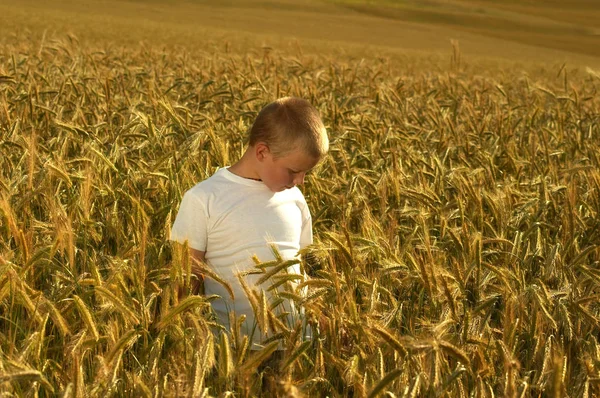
(541, 31)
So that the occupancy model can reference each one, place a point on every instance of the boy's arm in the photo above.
(197, 258)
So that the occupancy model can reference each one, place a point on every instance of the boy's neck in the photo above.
(243, 168)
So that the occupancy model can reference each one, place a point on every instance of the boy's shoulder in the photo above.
(211, 183)
(296, 194)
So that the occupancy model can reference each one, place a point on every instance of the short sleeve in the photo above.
(306, 234)
(191, 223)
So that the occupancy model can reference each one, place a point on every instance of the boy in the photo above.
(241, 210)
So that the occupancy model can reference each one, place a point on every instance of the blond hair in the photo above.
(288, 124)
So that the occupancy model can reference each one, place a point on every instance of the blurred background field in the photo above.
(548, 30)
(456, 217)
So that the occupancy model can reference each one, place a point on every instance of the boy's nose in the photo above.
(299, 179)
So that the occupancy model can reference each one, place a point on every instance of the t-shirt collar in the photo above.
(241, 180)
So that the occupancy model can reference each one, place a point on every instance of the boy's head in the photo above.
(288, 139)
(289, 124)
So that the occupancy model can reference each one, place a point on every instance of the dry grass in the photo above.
(456, 217)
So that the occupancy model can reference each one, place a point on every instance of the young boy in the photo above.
(242, 210)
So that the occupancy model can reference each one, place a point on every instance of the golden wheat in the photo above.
(456, 224)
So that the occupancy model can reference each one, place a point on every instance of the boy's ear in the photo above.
(261, 150)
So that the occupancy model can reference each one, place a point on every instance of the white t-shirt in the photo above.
(232, 218)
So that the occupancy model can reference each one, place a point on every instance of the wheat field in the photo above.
(456, 219)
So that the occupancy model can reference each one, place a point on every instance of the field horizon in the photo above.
(481, 29)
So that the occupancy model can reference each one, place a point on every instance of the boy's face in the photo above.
(281, 173)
